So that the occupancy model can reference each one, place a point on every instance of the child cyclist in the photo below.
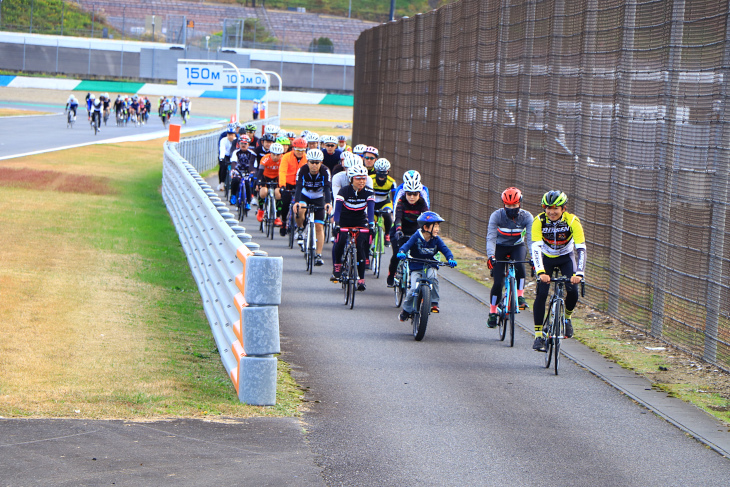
(557, 242)
(506, 240)
(354, 208)
(425, 244)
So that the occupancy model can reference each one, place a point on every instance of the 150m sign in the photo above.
(200, 76)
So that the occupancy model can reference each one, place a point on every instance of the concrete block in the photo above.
(257, 381)
(260, 330)
(263, 280)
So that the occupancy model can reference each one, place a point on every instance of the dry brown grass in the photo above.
(14, 112)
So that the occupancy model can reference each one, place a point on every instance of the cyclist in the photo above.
(167, 109)
(285, 142)
(226, 147)
(243, 160)
(313, 188)
(341, 180)
(269, 172)
(414, 176)
(185, 108)
(106, 104)
(342, 144)
(384, 188)
(359, 150)
(72, 104)
(330, 151)
(250, 130)
(263, 148)
(312, 140)
(425, 244)
(89, 100)
(506, 239)
(147, 109)
(96, 107)
(558, 241)
(290, 164)
(134, 108)
(119, 108)
(354, 208)
(369, 157)
(408, 209)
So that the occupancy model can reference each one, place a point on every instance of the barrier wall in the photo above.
(239, 284)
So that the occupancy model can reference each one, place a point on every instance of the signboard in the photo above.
(252, 78)
(200, 76)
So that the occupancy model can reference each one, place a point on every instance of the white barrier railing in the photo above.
(239, 284)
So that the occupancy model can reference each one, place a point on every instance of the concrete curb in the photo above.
(685, 416)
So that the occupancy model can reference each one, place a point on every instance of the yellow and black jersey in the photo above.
(561, 237)
(383, 191)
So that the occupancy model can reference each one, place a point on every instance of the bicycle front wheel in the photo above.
(547, 331)
(423, 305)
(501, 323)
(398, 286)
(512, 310)
(559, 329)
(378, 245)
(352, 276)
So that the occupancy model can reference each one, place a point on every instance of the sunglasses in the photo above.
(360, 178)
(314, 162)
(330, 145)
(410, 193)
(298, 149)
(369, 158)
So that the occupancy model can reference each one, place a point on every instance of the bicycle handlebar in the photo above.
(427, 261)
(513, 261)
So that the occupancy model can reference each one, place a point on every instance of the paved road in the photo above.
(461, 408)
(28, 134)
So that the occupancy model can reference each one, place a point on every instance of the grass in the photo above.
(101, 317)
(670, 370)
(12, 112)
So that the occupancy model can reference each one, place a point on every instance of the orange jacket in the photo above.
(269, 168)
(289, 167)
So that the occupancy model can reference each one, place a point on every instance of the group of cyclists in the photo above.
(135, 109)
(348, 184)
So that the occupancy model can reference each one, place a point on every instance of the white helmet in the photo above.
(315, 155)
(311, 137)
(328, 139)
(282, 133)
(356, 170)
(412, 181)
(359, 149)
(349, 159)
(276, 148)
(271, 129)
(372, 150)
(382, 165)
(92, 96)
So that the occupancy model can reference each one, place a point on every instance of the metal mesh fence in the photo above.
(619, 103)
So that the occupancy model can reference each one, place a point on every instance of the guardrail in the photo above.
(239, 284)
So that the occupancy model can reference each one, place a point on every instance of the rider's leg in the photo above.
(319, 232)
(408, 304)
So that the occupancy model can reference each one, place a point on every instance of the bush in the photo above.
(323, 44)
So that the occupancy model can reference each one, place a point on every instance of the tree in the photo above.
(323, 44)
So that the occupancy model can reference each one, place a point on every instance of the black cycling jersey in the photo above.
(354, 208)
(260, 153)
(406, 215)
(313, 186)
(331, 160)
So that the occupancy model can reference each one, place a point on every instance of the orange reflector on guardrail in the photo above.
(174, 133)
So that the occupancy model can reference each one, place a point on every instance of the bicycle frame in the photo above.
(553, 329)
(508, 306)
(378, 248)
(348, 271)
(310, 242)
(422, 298)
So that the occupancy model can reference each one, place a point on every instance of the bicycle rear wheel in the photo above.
(398, 284)
(547, 328)
(501, 323)
(423, 307)
(378, 245)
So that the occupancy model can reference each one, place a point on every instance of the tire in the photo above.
(423, 309)
(378, 254)
(344, 273)
(290, 224)
(398, 286)
(352, 276)
(547, 325)
(272, 213)
(559, 327)
(512, 311)
(501, 324)
(96, 124)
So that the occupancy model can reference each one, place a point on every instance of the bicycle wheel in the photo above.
(423, 309)
(398, 285)
(501, 322)
(344, 272)
(378, 257)
(96, 124)
(512, 310)
(291, 224)
(352, 275)
(547, 329)
(559, 328)
(272, 213)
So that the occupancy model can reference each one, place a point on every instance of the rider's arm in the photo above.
(492, 233)
(338, 208)
(407, 246)
(300, 184)
(537, 246)
(284, 170)
(579, 240)
(371, 210)
(444, 249)
(222, 149)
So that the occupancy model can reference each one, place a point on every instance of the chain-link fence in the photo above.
(619, 103)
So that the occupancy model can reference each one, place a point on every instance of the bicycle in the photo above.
(507, 307)
(378, 248)
(310, 236)
(70, 119)
(553, 328)
(269, 210)
(422, 298)
(348, 271)
(95, 122)
(106, 116)
(401, 278)
(242, 198)
(185, 116)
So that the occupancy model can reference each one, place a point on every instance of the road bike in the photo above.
(70, 119)
(242, 198)
(269, 210)
(185, 116)
(348, 274)
(95, 121)
(508, 307)
(165, 116)
(422, 298)
(310, 236)
(106, 116)
(553, 328)
(377, 249)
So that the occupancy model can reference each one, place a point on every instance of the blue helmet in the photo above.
(428, 217)
(232, 129)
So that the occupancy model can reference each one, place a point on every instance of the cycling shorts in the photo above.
(319, 215)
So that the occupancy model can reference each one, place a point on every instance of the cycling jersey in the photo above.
(268, 168)
(422, 249)
(354, 208)
(331, 160)
(313, 186)
(401, 192)
(383, 191)
(225, 149)
(503, 230)
(289, 167)
(406, 215)
(553, 239)
(260, 153)
(245, 158)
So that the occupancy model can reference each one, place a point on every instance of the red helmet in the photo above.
(299, 143)
(512, 196)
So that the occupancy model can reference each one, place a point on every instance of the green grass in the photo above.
(47, 17)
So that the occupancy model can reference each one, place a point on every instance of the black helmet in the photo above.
(269, 137)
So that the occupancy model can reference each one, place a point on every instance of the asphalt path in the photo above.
(29, 134)
(460, 407)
